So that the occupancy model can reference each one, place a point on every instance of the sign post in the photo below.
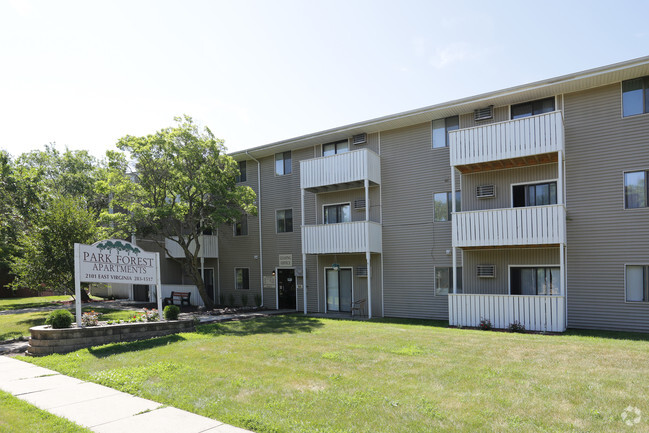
(115, 261)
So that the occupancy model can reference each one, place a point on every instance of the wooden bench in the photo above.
(182, 297)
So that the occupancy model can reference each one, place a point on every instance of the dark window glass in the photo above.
(444, 280)
(242, 172)
(241, 226)
(283, 163)
(532, 108)
(441, 128)
(635, 189)
(442, 207)
(285, 221)
(335, 148)
(338, 213)
(534, 195)
(535, 281)
(243, 278)
(633, 93)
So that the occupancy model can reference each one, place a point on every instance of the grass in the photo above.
(17, 325)
(19, 416)
(300, 374)
(32, 302)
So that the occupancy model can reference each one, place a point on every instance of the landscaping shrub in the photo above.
(485, 324)
(90, 319)
(257, 300)
(231, 299)
(59, 319)
(516, 326)
(244, 299)
(171, 312)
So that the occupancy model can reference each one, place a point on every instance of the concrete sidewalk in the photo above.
(98, 407)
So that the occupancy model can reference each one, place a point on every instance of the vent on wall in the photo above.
(483, 113)
(361, 271)
(359, 139)
(485, 191)
(486, 271)
(359, 204)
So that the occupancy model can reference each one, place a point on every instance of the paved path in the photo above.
(98, 407)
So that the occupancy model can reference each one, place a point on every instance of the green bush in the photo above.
(257, 300)
(59, 319)
(171, 312)
(244, 300)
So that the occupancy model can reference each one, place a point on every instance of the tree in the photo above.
(47, 260)
(182, 183)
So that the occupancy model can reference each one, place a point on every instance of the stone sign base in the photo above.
(45, 340)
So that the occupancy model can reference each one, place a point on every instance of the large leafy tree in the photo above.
(175, 184)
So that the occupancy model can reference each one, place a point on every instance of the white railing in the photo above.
(342, 168)
(209, 247)
(536, 313)
(536, 225)
(349, 237)
(194, 298)
(533, 135)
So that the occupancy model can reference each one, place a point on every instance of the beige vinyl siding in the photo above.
(501, 258)
(602, 235)
(503, 180)
(501, 114)
(411, 171)
(349, 196)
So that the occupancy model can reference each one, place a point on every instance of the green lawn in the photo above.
(17, 325)
(33, 302)
(19, 416)
(300, 374)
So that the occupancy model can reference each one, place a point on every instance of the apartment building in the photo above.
(528, 204)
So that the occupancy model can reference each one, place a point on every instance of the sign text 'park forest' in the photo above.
(116, 261)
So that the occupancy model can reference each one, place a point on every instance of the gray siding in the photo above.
(500, 115)
(602, 235)
(348, 196)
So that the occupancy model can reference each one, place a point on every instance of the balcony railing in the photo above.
(535, 225)
(536, 313)
(345, 168)
(209, 247)
(518, 138)
(341, 238)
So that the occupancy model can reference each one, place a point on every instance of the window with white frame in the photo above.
(241, 177)
(532, 108)
(635, 189)
(442, 206)
(537, 194)
(444, 280)
(441, 128)
(241, 226)
(242, 278)
(337, 213)
(284, 219)
(636, 283)
(335, 148)
(535, 280)
(635, 96)
(283, 163)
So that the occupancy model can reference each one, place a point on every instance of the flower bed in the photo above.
(46, 340)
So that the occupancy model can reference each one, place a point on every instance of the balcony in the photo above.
(515, 143)
(352, 237)
(209, 247)
(536, 313)
(538, 225)
(342, 171)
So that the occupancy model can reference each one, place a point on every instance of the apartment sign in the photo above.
(116, 261)
(285, 260)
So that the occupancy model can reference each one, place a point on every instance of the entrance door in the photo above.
(208, 280)
(339, 290)
(286, 288)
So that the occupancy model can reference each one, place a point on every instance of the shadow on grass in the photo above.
(134, 346)
(11, 307)
(613, 335)
(288, 324)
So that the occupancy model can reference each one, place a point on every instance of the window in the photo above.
(532, 108)
(284, 221)
(444, 280)
(534, 195)
(241, 177)
(242, 278)
(241, 226)
(441, 128)
(635, 189)
(535, 281)
(338, 213)
(283, 163)
(637, 283)
(635, 96)
(335, 148)
(441, 208)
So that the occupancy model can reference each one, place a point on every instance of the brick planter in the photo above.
(46, 340)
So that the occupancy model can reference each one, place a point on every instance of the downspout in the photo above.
(261, 242)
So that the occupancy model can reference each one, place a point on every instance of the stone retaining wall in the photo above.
(45, 340)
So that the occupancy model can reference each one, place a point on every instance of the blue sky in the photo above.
(85, 73)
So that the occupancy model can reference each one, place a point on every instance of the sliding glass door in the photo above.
(339, 290)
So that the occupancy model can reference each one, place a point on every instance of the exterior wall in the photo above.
(502, 258)
(411, 171)
(348, 196)
(602, 235)
(503, 180)
(501, 114)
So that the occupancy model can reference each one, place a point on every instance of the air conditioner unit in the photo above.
(359, 139)
(483, 113)
(486, 271)
(361, 271)
(485, 191)
(359, 204)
